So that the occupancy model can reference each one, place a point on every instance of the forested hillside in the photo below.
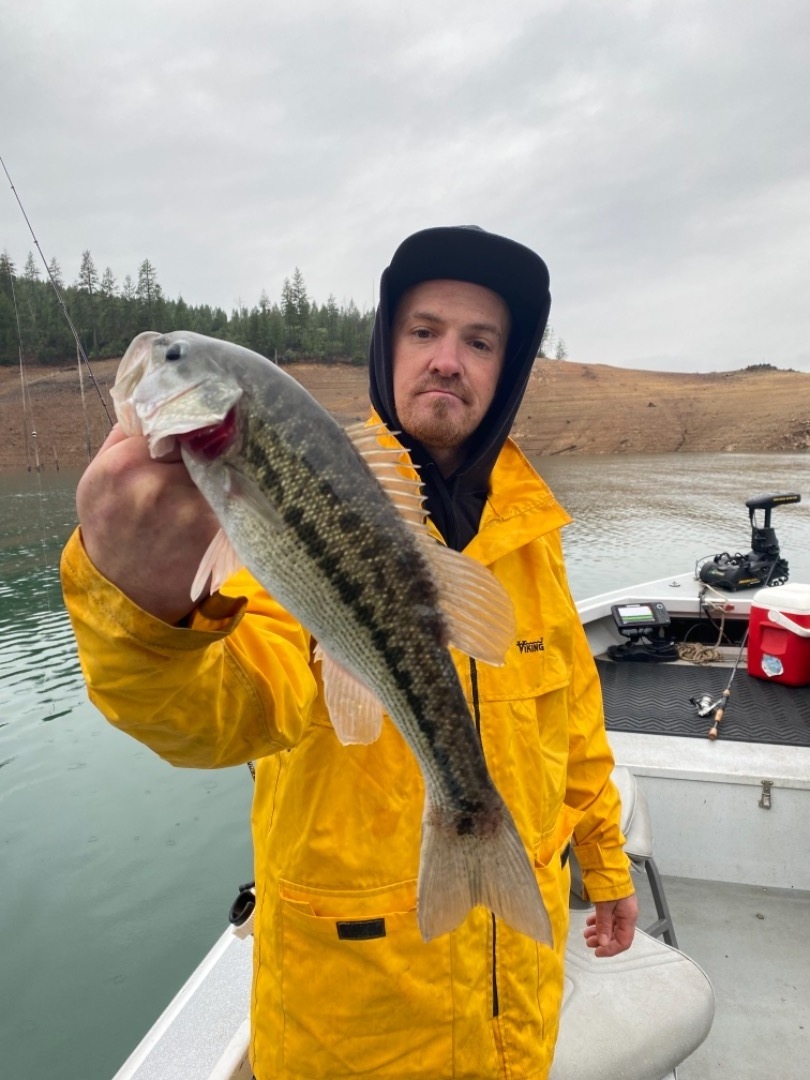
(108, 314)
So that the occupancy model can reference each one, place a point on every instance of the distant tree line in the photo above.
(108, 315)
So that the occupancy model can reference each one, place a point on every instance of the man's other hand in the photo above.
(610, 928)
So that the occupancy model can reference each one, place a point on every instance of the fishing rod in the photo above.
(79, 347)
(714, 730)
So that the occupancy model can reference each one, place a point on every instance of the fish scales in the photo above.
(305, 513)
(379, 576)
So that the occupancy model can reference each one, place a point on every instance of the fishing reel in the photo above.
(646, 627)
(762, 565)
(704, 705)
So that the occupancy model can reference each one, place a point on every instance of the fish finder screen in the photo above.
(633, 613)
(640, 615)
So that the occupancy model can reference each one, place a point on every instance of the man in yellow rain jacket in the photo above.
(344, 986)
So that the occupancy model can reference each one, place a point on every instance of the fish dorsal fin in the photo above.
(479, 613)
(218, 563)
(388, 468)
(355, 712)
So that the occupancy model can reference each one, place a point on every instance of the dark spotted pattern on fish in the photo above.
(368, 586)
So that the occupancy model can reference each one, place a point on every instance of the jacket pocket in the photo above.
(385, 995)
(551, 859)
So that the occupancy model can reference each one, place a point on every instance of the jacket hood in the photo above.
(464, 253)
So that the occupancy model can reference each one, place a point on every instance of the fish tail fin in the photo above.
(489, 866)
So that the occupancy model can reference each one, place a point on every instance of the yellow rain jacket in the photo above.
(343, 984)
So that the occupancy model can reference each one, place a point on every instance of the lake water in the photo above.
(117, 871)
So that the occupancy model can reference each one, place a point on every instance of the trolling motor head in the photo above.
(762, 565)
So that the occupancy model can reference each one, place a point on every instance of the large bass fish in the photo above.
(331, 524)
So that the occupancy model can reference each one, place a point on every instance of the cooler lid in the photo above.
(792, 599)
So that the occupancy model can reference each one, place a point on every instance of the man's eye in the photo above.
(482, 346)
(421, 332)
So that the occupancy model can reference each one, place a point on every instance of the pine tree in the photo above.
(55, 274)
(56, 336)
(29, 297)
(299, 296)
(109, 315)
(130, 321)
(88, 275)
(297, 311)
(332, 325)
(150, 297)
(290, 316)
(108, 284)
(87, 286)
(31, 272)
(8, 272)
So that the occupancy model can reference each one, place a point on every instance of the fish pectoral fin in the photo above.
(241, 487)
(355, 712)
(218, 563)
(487, 866)
(477, 608)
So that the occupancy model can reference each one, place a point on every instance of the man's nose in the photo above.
(446, 358)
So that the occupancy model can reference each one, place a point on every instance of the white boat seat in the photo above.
(635, 1016)
(636, 825)
(638, 1015)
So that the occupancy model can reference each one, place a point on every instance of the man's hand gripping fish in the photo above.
(331, 524)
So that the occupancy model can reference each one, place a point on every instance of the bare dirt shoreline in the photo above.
(569, 408)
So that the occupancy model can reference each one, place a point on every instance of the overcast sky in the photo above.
(657, 155)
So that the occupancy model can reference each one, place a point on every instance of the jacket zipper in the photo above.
(477, 719)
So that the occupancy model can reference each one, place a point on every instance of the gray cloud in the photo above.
(657, 155)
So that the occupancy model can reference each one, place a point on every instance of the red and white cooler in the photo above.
(779, 635)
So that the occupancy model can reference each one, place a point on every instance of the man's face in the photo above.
(449, 340)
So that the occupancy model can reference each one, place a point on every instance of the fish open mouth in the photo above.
(212, 441)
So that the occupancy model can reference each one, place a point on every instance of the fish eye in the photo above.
(176, 351)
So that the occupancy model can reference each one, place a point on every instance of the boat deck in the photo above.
(655, 699)
(754, 944)
(724, 811)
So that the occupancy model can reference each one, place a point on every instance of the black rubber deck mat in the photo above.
(654, 699)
